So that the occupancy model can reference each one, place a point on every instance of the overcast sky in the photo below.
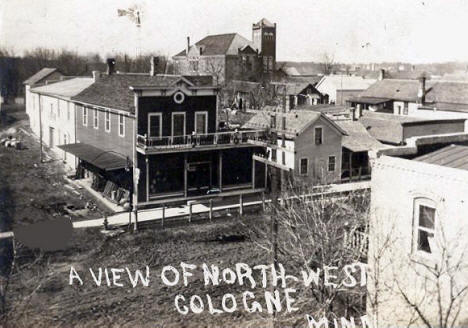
(351, 30)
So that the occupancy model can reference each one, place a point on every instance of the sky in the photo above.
(348, 30)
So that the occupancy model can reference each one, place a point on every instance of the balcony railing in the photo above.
(201, 140)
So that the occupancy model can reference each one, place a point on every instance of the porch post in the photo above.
(253, 173)
(185, 174)
(220, 170)
(147, 178)
(266, 177)
(350, 166)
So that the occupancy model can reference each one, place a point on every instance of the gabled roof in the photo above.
(357, 138)
(65, 89)
(344, 82)
(454, 156)
(221, 44)
(42, 74)
(325, 108)
(300, 68)
(437, 92)
(296, 121)
(113, 91)
(406, 90)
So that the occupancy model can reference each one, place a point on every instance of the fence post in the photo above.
(241, 205)
(211, 210)
(190, 213)
(263, 200)
(163, 215)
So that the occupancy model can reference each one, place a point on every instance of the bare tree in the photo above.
(317, 231)
(327, 63)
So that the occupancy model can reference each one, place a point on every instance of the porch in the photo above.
(197, 142)
(191, 175)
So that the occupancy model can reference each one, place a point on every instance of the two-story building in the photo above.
(44, 76)
(231, 56)
(417, 98)
(312, 150)
(156, 135)
(52, 113)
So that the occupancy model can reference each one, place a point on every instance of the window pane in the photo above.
(201, 123)
(426, 216)
(155, 126)
(178, 125)
(304, 165)
(318, 136)
(423, 241)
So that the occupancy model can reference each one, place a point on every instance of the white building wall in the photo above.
(397, 269)
(58, 123)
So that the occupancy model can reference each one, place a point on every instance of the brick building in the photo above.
(229, 57)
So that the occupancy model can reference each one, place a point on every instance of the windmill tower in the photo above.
(135, 14)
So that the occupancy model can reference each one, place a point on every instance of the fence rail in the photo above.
(194, 140)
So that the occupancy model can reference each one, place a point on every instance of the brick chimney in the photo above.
(110, 66)
(188, 45)
(96, 76)
(422, 90)
(154, 65)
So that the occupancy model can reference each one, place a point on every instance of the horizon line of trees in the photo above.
(14, 70)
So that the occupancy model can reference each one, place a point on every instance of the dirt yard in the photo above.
(38, 293)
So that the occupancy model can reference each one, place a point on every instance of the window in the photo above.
(85, 116)
(194, 65)
(68, 111)
(154, 124)
(273, 155)
(121, 125)
(107, 121)
(331, 163)
(318, 135)
(425, 215)
(96, 118)
(304, 166)
(201, 122)
(178, 124)
(405, 108)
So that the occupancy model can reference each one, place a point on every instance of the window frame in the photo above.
(149, 124)
(419, 202)
(121, 115)
(107, 119)
(307, 166)
(95, 118)
(172, 123)
(204, 113)
(321, 135)
(334, 163)
(85, 116)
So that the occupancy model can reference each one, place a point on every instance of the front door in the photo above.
(199, 178)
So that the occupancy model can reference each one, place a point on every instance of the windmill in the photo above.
(135, 14)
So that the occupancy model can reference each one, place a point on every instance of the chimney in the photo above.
(154, 65)
(110, 66)
(422, 90)
(96, 76)
(381, 74)
(188, 45)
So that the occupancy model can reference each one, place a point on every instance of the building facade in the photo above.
(229, 57)
(417, 241)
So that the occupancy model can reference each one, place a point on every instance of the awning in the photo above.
(369, 100)
(104, 159)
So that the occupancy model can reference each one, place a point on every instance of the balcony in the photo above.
(196, 142)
